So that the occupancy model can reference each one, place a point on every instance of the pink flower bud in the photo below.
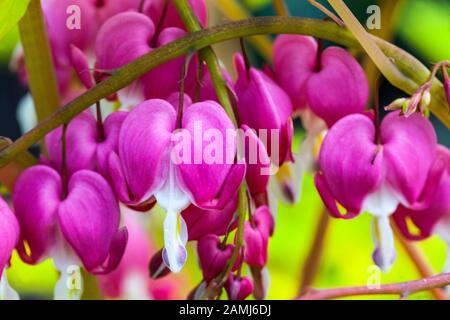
(238, 288)
(256, 237)
(213, 257)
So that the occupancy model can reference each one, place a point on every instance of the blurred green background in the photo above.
(421, 27)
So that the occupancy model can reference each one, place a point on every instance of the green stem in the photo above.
(207, 54)
(407, 64)
(38, 61)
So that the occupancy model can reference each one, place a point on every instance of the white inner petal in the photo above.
(70, 283)
(381, 203)
(6, 292)
(173, 200)
(384, 241)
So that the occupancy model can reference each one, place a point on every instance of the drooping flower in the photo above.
(213, 256)
(201, 222)
(238, 288)
(177, 167)
(363, 174)
(429, 214)
(79, 225)
(128, 36)
(331, 83)
(258, 166)
(263, 105)
(88, 144)
(256, 236)
(9, 230)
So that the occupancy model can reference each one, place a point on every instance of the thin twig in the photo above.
(422, 266)
(402, 289)
(327, 12)
(309, 270)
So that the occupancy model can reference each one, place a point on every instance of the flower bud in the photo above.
(397, 104)
(256, 237)
(425, 100)
(238, 288)
(213, 256)
(411, 107)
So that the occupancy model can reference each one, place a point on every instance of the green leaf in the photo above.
(11, 11)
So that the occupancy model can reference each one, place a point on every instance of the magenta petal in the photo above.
(350, 162)
(116, 253)
(438, 206)
(9, 230)
(238, 288)
(263, 105)
(37, 195)
(112, 126)
(201, 222)
(229, 189)
(203, 175)
(258, 163)
(122, 39)
(339, 89)
(328, 198)
(89, 218)
(169, 73)
(81, 141)
(213, 258)
(81, 65)
(257, 238)
(294, 60)
(409, 150)
(144, 143)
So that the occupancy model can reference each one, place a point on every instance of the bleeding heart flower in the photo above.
(9, 229)
(331, 83)
(363, 174)
(202, 222)
(88, 144)
(175, 166)
(258, 166)
(263, 105)
(256, 236)
(434, 203)
(130, 35)
(213, 256)
(80, 223)
(238, 288)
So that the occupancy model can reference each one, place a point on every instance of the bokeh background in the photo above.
(421, 27)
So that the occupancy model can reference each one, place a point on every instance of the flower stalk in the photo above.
(407, 64)
(402, 289)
